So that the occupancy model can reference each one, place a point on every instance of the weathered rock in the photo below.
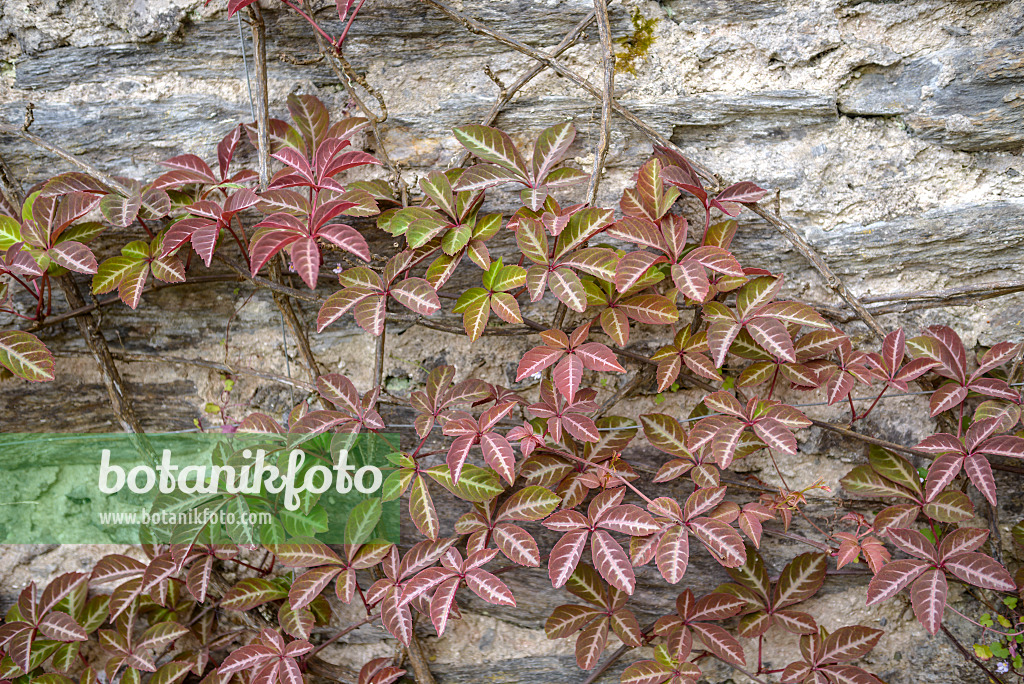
(891, 132)
(969, 99)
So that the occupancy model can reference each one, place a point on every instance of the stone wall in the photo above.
(889, 133)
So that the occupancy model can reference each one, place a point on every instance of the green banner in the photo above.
(195, 488)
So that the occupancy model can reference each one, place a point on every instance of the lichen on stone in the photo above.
(636, 44)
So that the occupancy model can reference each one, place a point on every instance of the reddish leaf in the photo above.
(980, 570)
(417, 294)
(565, 556)
(590, 644)
(611, 561)
(888, 581)
(928, 595)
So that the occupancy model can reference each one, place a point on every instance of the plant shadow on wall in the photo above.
(556, 458)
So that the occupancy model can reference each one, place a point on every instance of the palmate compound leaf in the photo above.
(24, 355)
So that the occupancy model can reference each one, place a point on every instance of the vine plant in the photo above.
(518, 461)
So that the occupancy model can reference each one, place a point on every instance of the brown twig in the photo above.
(301, 295)
(284, 303)
(739, 669)
(599, 672)
(85, 166)
(104, 178)
(983, 290)
(608, 65)
(834, 282)
(506, 94)
(474, 26)
(970, 656)
(347, 76)
(340, 633)
(10, 188)
(995, 536)
(117, 389)
(378, 357)
(842, 315)
(641, 376)
(903, 302)
(232, 369)
(113, 299)
(418, 662)
(259, 55)
(892, 446)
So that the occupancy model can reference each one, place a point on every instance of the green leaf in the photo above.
(51, 678)
(949, 507)
(395, 484)
(95, 613)
(400, 221)
(864, 480)
(468, 298)
(490, 274)
(438, 188)
(756, 293)
(508, 277)
(582, 226)
(800, 579)
(10, 233)
(132, 283)
(894, 467)
(251, 592)
(532, 241)
(475, 316)
(422, 231)
(311, 118)
(111, 272)
(299, 525)
(120, 211)
(24, 355)
(422, 510)
(551, 146)
(476, 484)
(362, 520)
(455, 239)
(66, 656)
(487, 227)
(492, 146)
(137, 249)
(171, 673)
(272, 533)
(665, 434)
(530, 503)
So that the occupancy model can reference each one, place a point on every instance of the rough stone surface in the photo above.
(889, 133)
